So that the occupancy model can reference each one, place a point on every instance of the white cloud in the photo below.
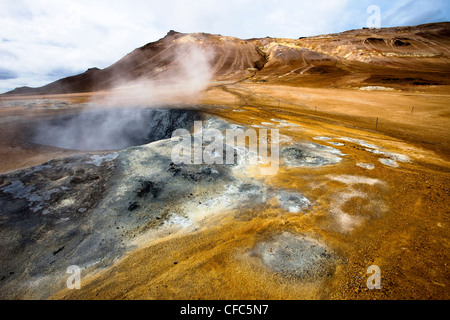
(44, 35)
(409, 12)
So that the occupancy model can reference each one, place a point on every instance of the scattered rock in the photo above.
(174, 168)
(58, 251)
(148, 187)
(133, 206)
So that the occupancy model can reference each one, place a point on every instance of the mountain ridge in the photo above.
(397, 57)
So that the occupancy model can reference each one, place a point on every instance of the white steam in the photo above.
(182, 80)
(95, 128)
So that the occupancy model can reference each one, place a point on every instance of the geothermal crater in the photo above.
(111, 129)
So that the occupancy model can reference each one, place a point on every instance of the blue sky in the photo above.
(45, 40)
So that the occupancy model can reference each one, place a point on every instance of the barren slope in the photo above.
(402, 57)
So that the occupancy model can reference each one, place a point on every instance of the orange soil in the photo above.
(405, 232)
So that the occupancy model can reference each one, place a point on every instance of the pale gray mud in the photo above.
(89, 210)
(309, 154)
(297, 256)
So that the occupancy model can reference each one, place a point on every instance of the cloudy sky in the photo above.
(44, 40)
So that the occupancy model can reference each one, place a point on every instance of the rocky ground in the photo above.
(141, 226)
(362, 176)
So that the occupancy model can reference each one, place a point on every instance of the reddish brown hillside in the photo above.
(401, 57)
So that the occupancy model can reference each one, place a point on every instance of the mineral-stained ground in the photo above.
(363, 179)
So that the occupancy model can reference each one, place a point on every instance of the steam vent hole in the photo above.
(112, 129)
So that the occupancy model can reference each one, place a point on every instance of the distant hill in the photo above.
(396, 57)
